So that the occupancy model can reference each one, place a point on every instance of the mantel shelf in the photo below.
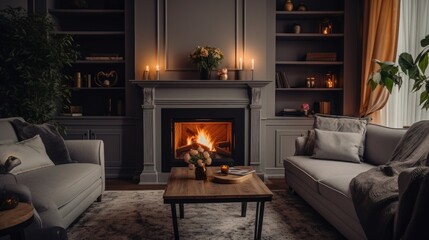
(200, 83)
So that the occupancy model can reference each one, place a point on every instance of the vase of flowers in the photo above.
(197, 160)
(206, 58)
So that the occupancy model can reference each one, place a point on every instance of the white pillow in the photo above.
(341, 146)
(31, 152)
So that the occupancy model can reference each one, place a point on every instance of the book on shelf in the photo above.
(281, 80)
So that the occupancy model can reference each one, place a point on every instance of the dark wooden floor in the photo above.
(128, 184)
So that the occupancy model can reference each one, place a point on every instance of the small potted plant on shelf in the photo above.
(389, 75)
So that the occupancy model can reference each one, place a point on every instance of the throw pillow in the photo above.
(343, 124)
(31, 152)
(341, 146)
(54, 143)
(309, 143)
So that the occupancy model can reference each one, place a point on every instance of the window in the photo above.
(403, 107)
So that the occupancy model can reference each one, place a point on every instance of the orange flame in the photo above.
(202, 137)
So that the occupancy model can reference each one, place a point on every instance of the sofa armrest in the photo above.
(88, 151)
(299, 145)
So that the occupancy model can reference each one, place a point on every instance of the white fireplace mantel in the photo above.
(176, 93)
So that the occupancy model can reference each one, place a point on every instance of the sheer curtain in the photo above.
(403, 107)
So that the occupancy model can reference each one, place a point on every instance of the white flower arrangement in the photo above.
(197, 158)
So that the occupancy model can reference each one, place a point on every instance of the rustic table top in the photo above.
(12, 217)
(183, 188)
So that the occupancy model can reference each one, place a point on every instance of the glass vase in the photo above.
(205, 74)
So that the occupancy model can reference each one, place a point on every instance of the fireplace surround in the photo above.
(159, 95)
(218, 130)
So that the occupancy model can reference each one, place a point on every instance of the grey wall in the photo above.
(167, 31)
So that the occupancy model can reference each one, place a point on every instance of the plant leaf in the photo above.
(423, 63)
(425, 41)
(405, 61)
(388, 82)
(423, 97)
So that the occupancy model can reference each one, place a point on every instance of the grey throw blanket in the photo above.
(375, 192)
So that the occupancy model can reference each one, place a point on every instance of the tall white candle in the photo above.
(253, 64)
(240, 64)
(147, 68)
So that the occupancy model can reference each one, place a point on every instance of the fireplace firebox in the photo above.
(220, 131)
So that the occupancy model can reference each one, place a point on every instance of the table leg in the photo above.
(174, 216)
(243, 209)
(182, 210)
(259, 219)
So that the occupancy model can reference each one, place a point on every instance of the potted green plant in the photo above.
(32, 59)
(389, 75)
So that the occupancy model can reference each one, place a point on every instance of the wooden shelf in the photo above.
(96, 88)
(309, 63)
(308, 35)
(99, 61)
(85, 11)
(308, 14)
(91, 33)
(310, 89)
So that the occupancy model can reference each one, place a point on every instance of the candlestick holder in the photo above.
(252, 73)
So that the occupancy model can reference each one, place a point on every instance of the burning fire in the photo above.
(202, 137)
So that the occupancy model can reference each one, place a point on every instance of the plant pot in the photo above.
(200, 173)
(205, 74)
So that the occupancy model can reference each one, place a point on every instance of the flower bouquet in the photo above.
(197, 160)
(206, 58)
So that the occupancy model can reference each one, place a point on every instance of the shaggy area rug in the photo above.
(143, 215)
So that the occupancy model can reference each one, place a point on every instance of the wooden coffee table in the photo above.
(183, 188)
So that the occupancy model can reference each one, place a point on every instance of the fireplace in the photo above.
(220, 131)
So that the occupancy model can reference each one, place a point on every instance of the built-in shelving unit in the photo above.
(291, 54)
(98, 28)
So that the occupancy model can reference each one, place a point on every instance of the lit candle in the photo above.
(157, 72)
(224, 169)
(240, 64)
(253, 64)
(325, 30)
(146, 73)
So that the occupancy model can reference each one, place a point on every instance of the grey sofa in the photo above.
(60, 193)
(324, 184)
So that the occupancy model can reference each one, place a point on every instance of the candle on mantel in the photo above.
(253, 64)
(157, 72)
(146, 73)
(240, 64)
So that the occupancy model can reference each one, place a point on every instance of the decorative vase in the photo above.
(200, 173)
(205, 74)
(289, 5)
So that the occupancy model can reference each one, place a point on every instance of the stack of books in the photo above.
(240, 172)
(321, 56)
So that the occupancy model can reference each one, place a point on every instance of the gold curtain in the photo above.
(380, 37)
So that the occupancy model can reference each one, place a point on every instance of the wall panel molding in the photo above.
(168, 13)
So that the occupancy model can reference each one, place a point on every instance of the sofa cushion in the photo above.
(61, 183)
(340, 146)
(8, 134)
(389, 137)
(54, 143)
(311, 171)
(31, 152)
(336, 190)
(343, 124)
